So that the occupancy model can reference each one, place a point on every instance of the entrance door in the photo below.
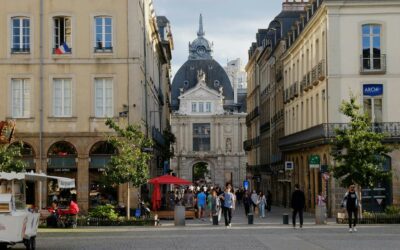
(201, 174)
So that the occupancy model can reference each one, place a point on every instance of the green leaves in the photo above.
(131, 163)
(358, 149)
(10, 158)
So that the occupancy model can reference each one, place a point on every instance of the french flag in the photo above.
(63, 49)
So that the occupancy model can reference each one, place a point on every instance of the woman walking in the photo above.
(227, 205)
(350, 201)
(262, 202)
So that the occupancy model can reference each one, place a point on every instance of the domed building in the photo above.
(209, 126)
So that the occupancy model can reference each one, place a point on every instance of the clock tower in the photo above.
(200, 48)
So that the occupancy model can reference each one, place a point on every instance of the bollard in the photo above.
(285, 218)
(179, 216)
(250, 219)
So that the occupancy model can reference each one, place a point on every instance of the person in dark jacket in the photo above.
(247, 203)
(350, 201)
(298, 202)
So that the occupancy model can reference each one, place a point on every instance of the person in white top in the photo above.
(254, 199)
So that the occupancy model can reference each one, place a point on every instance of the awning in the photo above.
(63, 182)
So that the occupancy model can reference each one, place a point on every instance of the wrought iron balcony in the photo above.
(323, 133)
(251, 143)
(373, 65)
(321, 70)
(253, 114)
(157, 136)
(314, 78)
(265, 127)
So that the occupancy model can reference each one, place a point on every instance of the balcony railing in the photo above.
(296, 89)
(157, 136)
(374, 65)
(314, 78)
(103, 49)
(308, 84)
(20, 50)
(251, 143)
(322, 133)
(253, 114)
(265, 127)
(321, 70)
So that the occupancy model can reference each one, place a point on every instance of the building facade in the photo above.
(208, 124)
(331, 49)
(65, 69)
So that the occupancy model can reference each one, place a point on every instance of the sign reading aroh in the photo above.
(314, 161)
(372, 89)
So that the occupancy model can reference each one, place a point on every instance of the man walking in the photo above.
(298, 202)
(227, 205)
(201, 203)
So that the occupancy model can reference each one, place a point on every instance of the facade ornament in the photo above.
(201, 76)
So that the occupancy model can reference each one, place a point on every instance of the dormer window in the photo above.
(216, 83)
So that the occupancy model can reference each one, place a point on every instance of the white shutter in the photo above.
(62, 98)
(16, 98)
(26, 99)
(98, 98)
(108, 98)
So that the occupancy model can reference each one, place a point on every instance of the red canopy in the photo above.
(169, 179)
(165, 179)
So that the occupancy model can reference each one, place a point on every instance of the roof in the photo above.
(186, 78)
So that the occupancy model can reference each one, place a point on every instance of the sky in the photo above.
(230, 24)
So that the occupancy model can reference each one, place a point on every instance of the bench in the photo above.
(189, 214)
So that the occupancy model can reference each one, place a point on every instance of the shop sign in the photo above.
(61, 170)
(289, 165)
(314, 161)
(372, 89)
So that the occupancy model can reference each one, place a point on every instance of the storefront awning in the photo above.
(63, 182)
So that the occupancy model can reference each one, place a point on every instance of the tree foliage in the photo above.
(358, 149)
(10, 158)
(131, 162)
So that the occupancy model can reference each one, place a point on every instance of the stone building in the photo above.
(208, 124)
(65, 68)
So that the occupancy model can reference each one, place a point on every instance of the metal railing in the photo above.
(321, 70)
(253, 114)
(157, 136)
(251, 143)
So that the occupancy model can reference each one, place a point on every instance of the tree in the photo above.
(10, 158)
(359, 150)
(130, 165)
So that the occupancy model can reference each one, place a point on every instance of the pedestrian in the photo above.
(215, 206)
(201, 203)
(350, 201)
(254, 199)
(298, 202)
(247, 203)
(234, 199)
(269, 200)
(227, 205)
(262, 202)
(209, 204)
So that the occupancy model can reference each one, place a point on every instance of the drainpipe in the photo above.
(145, 67)
(41, 104)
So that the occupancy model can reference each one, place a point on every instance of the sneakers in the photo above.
(354, 229)
(230, 225)
(350, 230)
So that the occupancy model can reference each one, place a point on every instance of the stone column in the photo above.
(82, 182)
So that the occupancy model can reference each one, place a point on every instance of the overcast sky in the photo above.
(230, 24)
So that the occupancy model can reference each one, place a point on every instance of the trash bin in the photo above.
(215, 220)
(179, 216)
(285, 218)
(250, 219)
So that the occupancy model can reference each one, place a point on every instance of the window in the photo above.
(201, 137)
(103, 97)
(20, 35)
(103, 34)
(62, 98)
(194, 107)
(201, 107)
(208, 107)
(371, 44)
(20, 96)
(62, 35)
(373, 107)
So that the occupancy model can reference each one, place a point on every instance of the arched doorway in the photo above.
(62, 161)
(201, 174)
(101, 192)
(28, 156)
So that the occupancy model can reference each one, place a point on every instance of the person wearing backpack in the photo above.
(350, 201)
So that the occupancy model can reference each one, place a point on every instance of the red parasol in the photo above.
(165, 179)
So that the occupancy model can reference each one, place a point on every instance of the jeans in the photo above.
(246, 209)
(295, 211)
(350, 212)
(261, 207)
(227, 215)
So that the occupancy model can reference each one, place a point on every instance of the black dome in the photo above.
(186, 78)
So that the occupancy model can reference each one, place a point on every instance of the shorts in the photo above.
(201, 206)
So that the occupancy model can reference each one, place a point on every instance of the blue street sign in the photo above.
(246, 185)
(372, 89)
